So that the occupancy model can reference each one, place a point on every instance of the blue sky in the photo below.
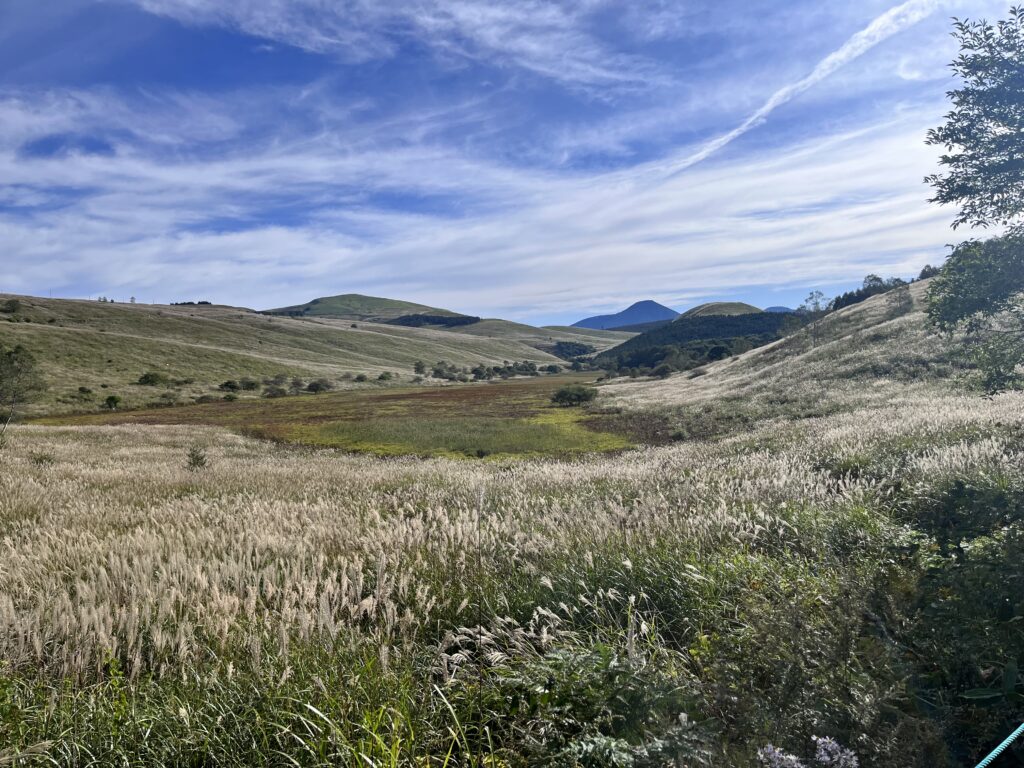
(540, 161)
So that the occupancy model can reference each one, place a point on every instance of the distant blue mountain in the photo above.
(778, 309)
(641, 312)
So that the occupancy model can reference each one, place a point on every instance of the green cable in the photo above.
(1001, 748)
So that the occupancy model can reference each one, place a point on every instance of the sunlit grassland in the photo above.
(501, 418)
(305, 606)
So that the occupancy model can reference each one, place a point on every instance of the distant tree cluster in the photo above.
(690, 342)
(873, 286)
(446, 371)
(445, 321)
(190, 303)
(662, 360)
(570, 350)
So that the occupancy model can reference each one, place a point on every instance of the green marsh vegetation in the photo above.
(503, 418)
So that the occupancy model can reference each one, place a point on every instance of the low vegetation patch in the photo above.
(513, 417)
(573, 394)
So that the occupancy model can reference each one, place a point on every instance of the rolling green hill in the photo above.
(355, 306)
(692, 340)
(544, 338)
(716, 308)
(105, 348)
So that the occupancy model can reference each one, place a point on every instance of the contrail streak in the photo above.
(891, 22)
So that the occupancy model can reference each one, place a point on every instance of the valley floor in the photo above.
(854, 576)
(512, 417)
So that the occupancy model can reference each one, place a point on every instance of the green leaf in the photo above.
(1010, 677)
(982, 694)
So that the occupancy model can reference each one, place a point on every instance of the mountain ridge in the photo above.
(645, 311)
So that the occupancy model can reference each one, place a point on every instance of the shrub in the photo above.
(207, 399)
(41, 459)
(386, 376)
(112, 402)
(11, 306)
(230, 397)
(249, 385)
(663, 371)
(552, 368)
(84, 391)
(361, 378)
(275, 391)
(196, 459)
(319, 385)
(152, 379)
(230, 386)
(573, 394)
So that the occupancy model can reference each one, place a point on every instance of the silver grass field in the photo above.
(300, 607)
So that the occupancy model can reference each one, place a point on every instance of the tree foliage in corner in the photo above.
(980, 287)
(979, 292)
(983, 133)
(19, 383)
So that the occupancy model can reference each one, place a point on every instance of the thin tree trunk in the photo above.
(7, 423)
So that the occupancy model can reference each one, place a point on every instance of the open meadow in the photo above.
(499, 418)
(283, 605)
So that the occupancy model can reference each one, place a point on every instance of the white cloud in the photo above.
(832, 209)
(269, 196)
(883, 27)
(547, 38)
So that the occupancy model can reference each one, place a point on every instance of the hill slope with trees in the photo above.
(88, 351)
(862, 355)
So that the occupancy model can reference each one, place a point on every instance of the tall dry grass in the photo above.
(353, 585)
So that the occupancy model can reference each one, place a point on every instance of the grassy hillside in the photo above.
(105, 348)
(721, 308)
(861, 356)
(355, 306)
(543, 338)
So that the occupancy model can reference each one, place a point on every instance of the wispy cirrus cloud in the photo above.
(881, 28)
(550, 39)
(149, 224)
